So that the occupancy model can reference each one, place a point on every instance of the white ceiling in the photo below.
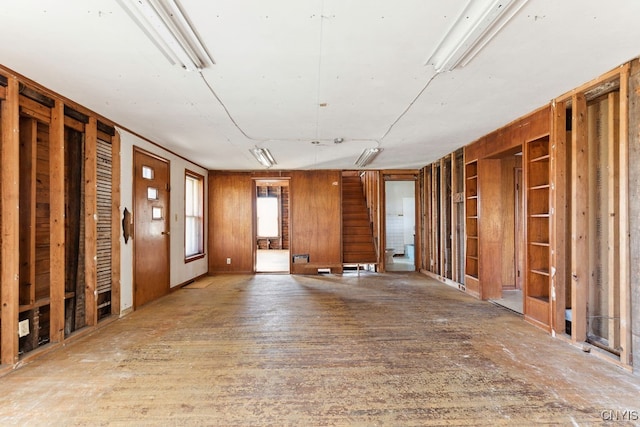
(277, 61)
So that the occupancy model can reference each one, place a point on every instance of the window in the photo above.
(193, 216)
(268, 217)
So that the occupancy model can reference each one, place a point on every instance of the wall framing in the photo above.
(32, 115)
(567, 126)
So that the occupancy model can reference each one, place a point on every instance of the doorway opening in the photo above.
(400, 225)
(272, 226)
(512, 213)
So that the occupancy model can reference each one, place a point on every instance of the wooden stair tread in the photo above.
(357, 236)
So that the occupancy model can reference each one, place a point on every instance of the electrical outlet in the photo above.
(23, 328)
(228, 260)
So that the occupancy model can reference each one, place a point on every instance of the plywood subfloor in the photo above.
(392, 349)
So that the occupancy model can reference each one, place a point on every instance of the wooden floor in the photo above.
(393, 349)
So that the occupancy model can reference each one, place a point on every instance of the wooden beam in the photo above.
(37, 96)
(57, 222)
(454, 218)
(435, 244)
(426, 217)
(580, 221)
(603, 79)
(624, 230)
(90, 221)
(31, 108)
(74, 124)
(418, 231)
(10, 192)
(613, 219)
(442, 215)
(116, 225)
(558, 209)
(76, 115)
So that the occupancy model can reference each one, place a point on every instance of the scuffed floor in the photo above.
(276, 350)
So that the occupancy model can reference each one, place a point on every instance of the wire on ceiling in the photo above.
(408, 107)
(226, 110)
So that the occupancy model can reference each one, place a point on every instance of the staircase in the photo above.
(357, 235)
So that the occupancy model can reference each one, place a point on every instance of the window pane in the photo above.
(147, 172)
(268, 222)
(193, 221)
(156, 212)
(152, 193)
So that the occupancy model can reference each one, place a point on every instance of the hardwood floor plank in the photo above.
(379, 349)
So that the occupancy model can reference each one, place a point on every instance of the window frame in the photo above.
(191, 175)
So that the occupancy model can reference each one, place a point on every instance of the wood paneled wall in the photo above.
(231, 233)
(315, 220)
(316, 226)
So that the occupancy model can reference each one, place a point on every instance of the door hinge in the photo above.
(168, 187)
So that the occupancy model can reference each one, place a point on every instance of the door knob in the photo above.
(166, 233)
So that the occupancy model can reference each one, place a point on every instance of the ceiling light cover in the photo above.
(478, 23)
(264, 156)
(164, 22)
(367, 156)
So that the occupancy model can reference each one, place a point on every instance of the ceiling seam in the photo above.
(320, 42)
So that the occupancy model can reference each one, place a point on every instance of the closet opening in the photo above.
(510, 204)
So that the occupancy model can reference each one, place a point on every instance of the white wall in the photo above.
(180, 271)
(400, 214)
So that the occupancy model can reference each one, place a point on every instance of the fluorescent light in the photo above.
(164, 22)
(263, 156)
(367, 156)
(478, 23)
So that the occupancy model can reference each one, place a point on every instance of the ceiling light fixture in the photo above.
(263, 156)
(338, 140)
(164, 22)
(367, 156)
(478, 23)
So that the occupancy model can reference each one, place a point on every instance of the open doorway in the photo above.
(272, 226)
(511, 205)
(400, 225)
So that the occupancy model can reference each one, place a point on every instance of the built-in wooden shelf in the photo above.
(545, 244)
(541, 158)
(538, 223)
(542, 272)
(471, 214)
(540, 187)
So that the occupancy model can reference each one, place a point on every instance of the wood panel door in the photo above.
(151, 227)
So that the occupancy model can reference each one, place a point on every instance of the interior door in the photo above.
(151, 227)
